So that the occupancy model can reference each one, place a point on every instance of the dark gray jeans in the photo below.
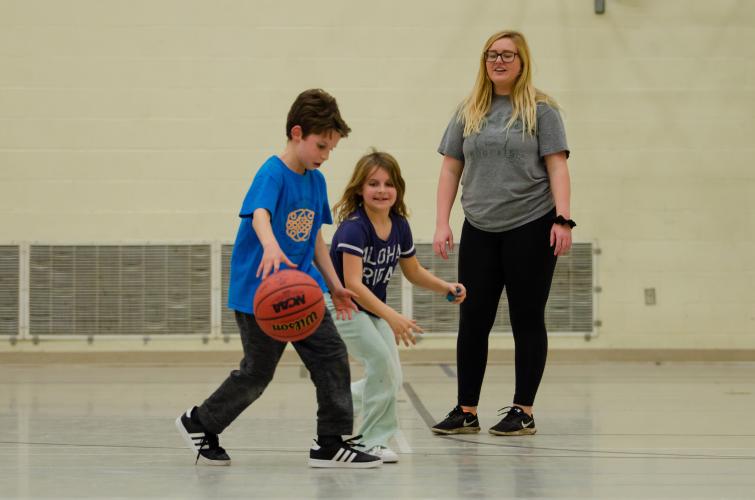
(323, 353)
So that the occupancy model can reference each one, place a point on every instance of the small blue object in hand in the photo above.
(451, 297)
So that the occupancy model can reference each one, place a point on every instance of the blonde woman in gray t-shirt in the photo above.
(506, 144)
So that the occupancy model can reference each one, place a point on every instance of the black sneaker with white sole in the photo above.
(515, 423)
(343, 454)
(458, 421)
(200, 441)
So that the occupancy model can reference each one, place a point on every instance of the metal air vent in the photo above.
(9, 290)
(119, 290)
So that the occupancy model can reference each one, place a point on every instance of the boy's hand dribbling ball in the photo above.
(289, 305)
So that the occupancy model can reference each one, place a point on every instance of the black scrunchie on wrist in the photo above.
(564, 222)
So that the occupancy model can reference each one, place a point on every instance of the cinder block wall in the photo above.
(146, 120)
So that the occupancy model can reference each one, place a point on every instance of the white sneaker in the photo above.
(388, 455)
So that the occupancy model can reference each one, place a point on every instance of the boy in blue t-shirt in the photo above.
(280, 225)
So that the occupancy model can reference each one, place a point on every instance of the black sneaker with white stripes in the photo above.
(343, 454)
(200, 441)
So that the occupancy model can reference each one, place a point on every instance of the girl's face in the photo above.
(378, 191)
(503, 65)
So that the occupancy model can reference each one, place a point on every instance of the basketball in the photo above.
(289, 305)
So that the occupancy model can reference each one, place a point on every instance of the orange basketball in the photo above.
(289, 305)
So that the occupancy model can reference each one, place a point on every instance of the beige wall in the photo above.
(145, 121)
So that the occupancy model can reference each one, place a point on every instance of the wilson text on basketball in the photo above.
(298, 324)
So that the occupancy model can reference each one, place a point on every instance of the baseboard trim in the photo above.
(416, 356)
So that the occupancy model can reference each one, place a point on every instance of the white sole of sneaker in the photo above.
(215, 463)
(190, 443)
(332, 464)
(523, 432)
(460, 430)
(387, 455)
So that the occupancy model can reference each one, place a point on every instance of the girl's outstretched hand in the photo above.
(403, 329)
(343, 302)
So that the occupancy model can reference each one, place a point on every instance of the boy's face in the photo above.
(312, 151)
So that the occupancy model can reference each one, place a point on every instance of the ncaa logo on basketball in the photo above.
(289, 302)
(299, 224)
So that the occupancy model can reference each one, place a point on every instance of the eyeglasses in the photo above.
(506, 56)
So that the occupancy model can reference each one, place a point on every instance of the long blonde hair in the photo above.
(367, 164)
(524, 96)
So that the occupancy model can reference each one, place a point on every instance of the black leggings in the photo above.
(522, 261)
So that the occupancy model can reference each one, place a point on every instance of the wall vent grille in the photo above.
(9, 290)
(119, 290)
(228, 321)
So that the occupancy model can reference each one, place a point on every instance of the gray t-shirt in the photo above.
(505, 182)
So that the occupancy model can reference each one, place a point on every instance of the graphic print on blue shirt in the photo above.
(298, 207)
(357, 236)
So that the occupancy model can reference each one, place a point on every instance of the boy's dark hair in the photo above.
(316, 111)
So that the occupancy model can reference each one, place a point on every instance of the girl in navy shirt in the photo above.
(373, 236)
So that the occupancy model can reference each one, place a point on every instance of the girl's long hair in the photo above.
(524, 96)
(352, 198)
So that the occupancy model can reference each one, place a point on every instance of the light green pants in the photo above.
(371, 342)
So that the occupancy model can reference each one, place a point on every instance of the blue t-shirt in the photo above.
(357, 236)
(298, 206)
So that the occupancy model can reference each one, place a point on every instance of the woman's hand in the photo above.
(560, 239)
(443, 241)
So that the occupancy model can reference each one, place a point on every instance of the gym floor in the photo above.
(605, 430)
